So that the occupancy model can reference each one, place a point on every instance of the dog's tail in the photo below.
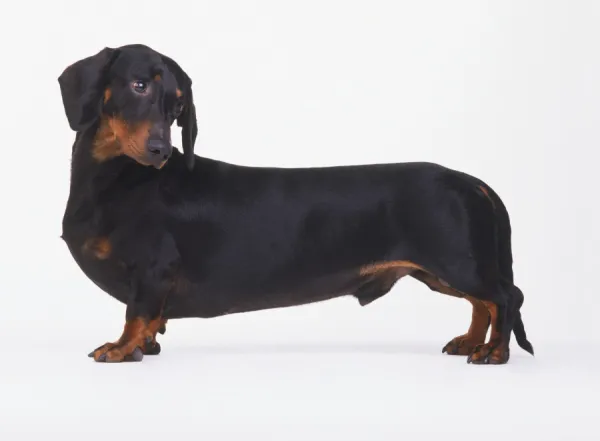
(505, 263)
(520, 335)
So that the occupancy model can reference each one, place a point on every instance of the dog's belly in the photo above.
(215, 299)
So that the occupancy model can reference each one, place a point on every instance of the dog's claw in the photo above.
(480, 361)
(492, 360)
(484, 360)
(470, 357)
(136, 355)
(448, 349)
(91, 354)
(152, 348)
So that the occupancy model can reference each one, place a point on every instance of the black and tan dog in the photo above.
(174, 235)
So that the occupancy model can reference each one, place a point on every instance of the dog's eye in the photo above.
(140, 86)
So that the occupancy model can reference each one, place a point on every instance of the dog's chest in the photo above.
(98, 255)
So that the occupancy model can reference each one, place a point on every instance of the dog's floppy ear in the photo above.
(82, 88)
(187, 119)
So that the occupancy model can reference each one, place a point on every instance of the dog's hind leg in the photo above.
(480, 317)
(491, 238)
(482, 275)
(496, 350)
(480, 322)
(510, 297)
(505, 319)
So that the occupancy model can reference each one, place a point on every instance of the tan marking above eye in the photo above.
(178, 93)
(107, 95)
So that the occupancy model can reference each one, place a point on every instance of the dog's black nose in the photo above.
(159, 149)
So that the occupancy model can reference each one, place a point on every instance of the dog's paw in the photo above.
(489, 353)
(115, 353)
(461, 345)
(138, 339)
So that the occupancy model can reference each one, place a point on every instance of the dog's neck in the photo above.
(94, 181)
(98, 177)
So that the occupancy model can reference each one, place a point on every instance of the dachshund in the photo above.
(174, 235)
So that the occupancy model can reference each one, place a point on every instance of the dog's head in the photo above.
(132, 95)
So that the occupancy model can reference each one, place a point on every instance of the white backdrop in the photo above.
(508, 91)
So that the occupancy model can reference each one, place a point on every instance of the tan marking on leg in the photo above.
(135, 334)
(480, 320)
(465, 344)
(99, 247)
(383, 266)
(436, 284)
(493, 310)
(495, 351)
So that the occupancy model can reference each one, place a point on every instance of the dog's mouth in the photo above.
(157, 153)
(135, 140)
(161, 165)
(158, 163)
(149, 161)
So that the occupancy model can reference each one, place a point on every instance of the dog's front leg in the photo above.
(142, 322)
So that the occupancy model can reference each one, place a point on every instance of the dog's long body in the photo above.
(195, 237)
